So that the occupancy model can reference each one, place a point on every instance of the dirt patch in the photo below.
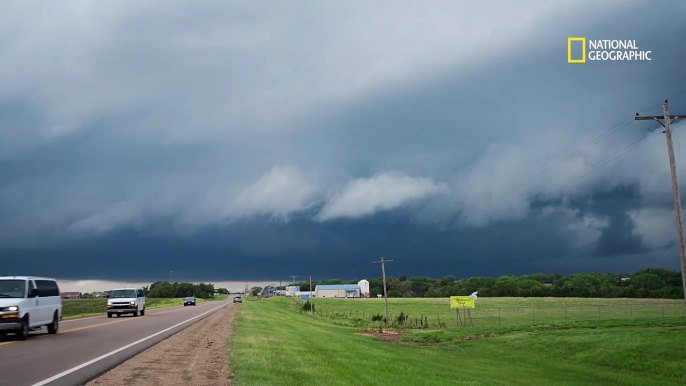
(395, 336)
(195, 356)
(388, 335)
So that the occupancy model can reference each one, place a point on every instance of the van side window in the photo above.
(140, 293)
(47, 288)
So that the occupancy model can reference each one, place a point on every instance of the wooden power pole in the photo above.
(675, 185)
(385, 291)
(310, 299)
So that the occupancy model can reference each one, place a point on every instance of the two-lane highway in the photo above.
(84, 348)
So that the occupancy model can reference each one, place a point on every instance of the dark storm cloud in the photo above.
(209, 143)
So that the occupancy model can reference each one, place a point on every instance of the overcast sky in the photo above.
(253, 140)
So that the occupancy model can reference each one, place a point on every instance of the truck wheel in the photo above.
(109, 315)
(143, 312)
(23, 334)
(135, 312)
(55, 325)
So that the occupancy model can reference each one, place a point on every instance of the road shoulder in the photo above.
(194, 356)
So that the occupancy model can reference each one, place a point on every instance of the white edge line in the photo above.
(90, 362)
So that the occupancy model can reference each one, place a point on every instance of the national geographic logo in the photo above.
(604, 50)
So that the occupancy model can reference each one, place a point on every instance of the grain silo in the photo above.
(364, 288)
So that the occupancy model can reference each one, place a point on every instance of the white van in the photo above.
(126, 301)
(29, 303)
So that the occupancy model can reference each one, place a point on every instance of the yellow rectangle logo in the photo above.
(461, 301)
(583, 50)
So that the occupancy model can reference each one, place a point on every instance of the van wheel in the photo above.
(55, 325)
(143, 312)
(109, 315)
(135, 312)
(23, 334)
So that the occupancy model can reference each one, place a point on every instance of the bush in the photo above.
(306, 306)
(377, 318)
(401, 319)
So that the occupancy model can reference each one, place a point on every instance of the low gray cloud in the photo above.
(299, 130)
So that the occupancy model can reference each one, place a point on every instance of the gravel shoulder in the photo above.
(195, 356)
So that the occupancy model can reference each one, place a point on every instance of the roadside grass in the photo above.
(503, 311)
(81, 308)
(275, 344)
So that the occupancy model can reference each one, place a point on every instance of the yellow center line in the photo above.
(97, 325)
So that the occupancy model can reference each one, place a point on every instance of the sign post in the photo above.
(464, 302)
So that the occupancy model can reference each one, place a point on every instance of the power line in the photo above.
(571, 155)
(633, 146)
(603, 135)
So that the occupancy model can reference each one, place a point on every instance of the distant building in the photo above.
(98, 294)
(337, 291)
(268, 291)
(70, 295)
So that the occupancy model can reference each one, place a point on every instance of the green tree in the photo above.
(506, 286)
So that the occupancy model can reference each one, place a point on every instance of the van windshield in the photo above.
(118, 294)
(12, 288)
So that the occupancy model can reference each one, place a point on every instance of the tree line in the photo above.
(645, 283)
(165, 289)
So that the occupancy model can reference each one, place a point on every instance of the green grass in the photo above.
(505, 311)
(80, 308)
(275, 344)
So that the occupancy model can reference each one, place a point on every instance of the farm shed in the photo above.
(337, 291)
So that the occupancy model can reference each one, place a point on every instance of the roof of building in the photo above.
(346, 287)
(70, 293)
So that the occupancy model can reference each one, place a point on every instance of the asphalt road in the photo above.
(85, 348)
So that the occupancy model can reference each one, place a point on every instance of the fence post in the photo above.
(598, 311)
(565, 312)
(533, 314)
(498, 315)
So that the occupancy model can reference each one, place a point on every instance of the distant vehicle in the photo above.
(126, 301)
(189, 301)
(238, 299)
(27, 304)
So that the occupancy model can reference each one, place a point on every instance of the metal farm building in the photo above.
(337, 291)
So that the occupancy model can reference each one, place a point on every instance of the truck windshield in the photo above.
(12, 288)
(118, 294)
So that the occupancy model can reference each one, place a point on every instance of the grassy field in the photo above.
(505, 311)
(79, 308)
(275, 344)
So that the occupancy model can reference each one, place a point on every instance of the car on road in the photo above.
(189, 301)
(238, 299)
(126, 301)
(28, 304)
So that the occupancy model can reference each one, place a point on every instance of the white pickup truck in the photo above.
(126, 301)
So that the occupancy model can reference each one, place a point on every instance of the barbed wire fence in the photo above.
(504, 316)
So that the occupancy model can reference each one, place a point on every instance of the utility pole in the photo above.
(383, 274)
(310, 294)
(293, 283)
(675, 185)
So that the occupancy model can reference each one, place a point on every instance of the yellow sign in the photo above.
(461, 301)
